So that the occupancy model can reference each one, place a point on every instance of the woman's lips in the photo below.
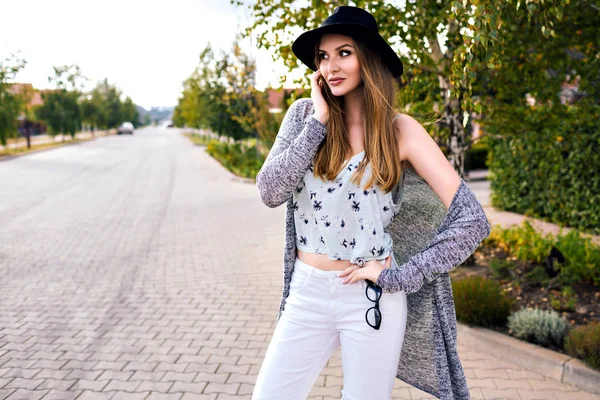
(336, 82)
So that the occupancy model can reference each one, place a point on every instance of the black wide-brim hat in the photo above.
(350, 21)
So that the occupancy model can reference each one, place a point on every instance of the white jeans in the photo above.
(320, 315)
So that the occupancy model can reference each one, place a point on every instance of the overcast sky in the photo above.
(146, 48)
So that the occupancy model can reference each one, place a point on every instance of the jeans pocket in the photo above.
(299, 281)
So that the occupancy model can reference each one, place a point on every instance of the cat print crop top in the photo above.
(341, 219)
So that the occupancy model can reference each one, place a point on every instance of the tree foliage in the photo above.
(11, 104)
(220, 94)
(445, 46)
(60, 109)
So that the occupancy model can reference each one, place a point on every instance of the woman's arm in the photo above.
(461, 231)
(291, 154)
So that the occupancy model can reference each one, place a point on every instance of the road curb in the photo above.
(552, 364)
(240, 179)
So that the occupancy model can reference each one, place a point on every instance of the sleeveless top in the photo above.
(342, 219)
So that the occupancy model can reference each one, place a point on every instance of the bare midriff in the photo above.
(322, 261)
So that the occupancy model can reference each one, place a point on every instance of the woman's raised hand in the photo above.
(320, 105)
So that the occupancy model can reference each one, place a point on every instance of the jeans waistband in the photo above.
(308, 269)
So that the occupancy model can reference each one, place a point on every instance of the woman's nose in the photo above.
(333, 66)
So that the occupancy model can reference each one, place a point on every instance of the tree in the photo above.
(129, 112)
(219, 94)
(61, 109)
(446, 44)
(106, 101)
(11, 104)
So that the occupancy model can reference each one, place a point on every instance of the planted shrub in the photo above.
(501, 268)
(582, 258)
(240, 159)
(565, 301)
(539, 326)
(584, 343)
(522, 241)
(481, 302)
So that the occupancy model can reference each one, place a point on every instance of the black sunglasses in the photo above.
(375, 314)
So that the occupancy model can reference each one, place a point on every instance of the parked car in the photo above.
(126, 127)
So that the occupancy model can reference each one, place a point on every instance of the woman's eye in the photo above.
(345, 51)
(321, 55)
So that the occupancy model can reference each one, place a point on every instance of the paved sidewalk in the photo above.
(136, 268)
(43, 139)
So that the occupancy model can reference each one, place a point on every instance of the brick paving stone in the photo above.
(537, 394)
(236, 369)
(4, 393)
(238, 378)
(90, 395)
(153, 386)
(226, 388)
(26, 394)
(21, 383)
(85, 384)
(137, 307)
(82, 374)
(179, 376)
(122, 385)
(130, 396)
(61, 395)
(501, 393)
(146, 375)
(115, 375)
(512, 384)
(188, 387)
(62, 385)
(164, 396)
(576, 395)
(171, 367)
(194, 396)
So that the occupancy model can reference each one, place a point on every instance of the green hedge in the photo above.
(239, 158)
(544, 162)
(476, 157)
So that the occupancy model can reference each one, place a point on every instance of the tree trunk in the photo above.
(456, 143)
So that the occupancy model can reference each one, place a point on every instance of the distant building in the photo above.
(34, 98)
(27, 88)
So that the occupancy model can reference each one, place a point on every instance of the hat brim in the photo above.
(304, 46)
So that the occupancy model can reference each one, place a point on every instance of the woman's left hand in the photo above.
(370, 271)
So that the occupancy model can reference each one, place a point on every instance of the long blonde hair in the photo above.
(381, 147)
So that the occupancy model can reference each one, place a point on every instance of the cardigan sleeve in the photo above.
(460, 233)
(295, 146)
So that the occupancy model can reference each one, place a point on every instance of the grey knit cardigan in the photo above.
(428, 242)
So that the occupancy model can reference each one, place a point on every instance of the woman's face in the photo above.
(338, 59)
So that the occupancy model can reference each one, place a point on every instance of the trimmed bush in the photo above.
(584, 343)
(481, 302)
(539, 326)
(544, 162)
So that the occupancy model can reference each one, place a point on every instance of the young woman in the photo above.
(338, 162)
